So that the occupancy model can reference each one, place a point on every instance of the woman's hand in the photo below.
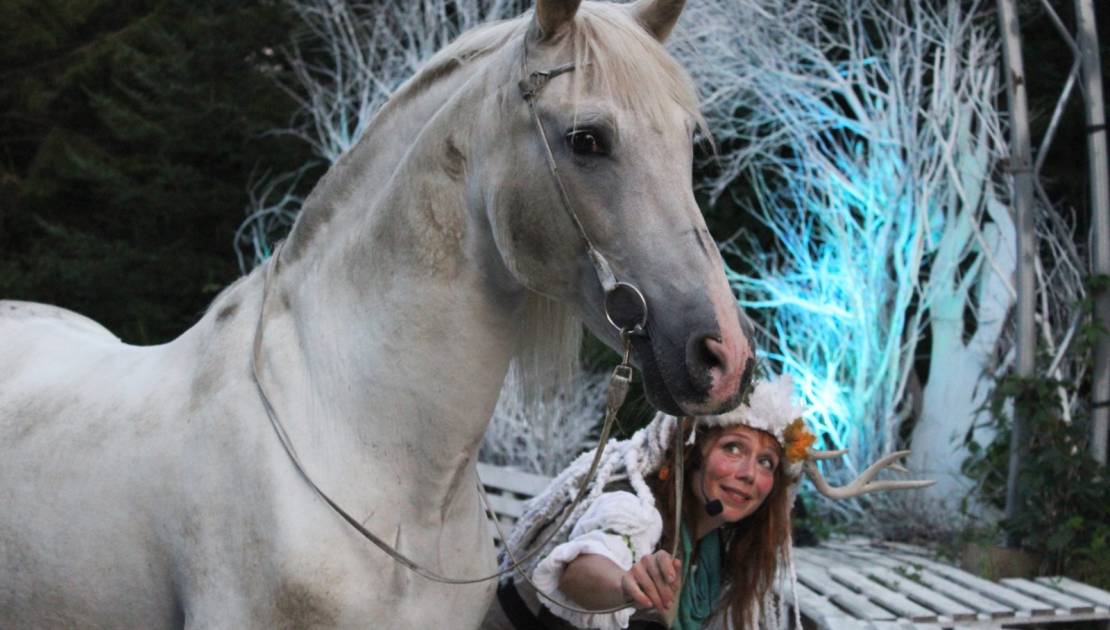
(653, 582)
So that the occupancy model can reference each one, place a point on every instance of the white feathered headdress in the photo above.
(771, 408)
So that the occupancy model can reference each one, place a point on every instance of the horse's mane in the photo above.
(547, 359)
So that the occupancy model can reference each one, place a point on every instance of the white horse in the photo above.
(144, 487)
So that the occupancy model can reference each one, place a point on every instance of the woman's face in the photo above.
(739, 471)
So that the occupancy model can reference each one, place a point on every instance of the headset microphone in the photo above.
(712, 507)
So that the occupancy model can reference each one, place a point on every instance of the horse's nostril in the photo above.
(705, 354)
(714, 352)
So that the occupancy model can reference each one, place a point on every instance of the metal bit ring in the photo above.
(638, 327)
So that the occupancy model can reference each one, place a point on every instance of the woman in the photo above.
(739, 472)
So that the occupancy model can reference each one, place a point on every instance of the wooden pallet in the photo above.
(856, 584)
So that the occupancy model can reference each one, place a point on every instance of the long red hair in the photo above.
(752, 548)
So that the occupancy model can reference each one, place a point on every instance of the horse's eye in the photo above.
(584, 142)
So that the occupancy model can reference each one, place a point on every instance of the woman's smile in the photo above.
(737, 496)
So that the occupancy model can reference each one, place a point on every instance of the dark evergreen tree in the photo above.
(128, 133)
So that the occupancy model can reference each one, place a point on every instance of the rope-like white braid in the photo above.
(632, 458)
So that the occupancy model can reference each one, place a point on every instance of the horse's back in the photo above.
(74, 531)
(33, 335)
(14, 313)
(51, 357)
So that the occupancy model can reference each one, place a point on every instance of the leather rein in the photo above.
(619, 381)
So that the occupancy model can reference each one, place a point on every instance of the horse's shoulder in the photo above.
(17, 311)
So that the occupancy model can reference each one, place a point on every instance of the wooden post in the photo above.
(1022, 198)
(1099, 169)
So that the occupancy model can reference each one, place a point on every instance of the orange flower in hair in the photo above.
(797, 440)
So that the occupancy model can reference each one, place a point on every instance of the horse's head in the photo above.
(620, 128)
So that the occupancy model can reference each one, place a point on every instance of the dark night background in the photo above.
(129, 131)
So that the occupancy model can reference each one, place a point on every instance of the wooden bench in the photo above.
(507, 489)
(855, 584)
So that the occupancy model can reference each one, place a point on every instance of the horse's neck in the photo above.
(355, 184)
(399, 337)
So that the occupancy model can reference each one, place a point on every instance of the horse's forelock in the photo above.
(625, 63)
(618, 58)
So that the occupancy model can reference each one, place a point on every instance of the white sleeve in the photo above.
(618, 525)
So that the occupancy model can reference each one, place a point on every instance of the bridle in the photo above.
(530, 87)
(619, 381)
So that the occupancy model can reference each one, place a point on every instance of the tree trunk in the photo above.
(1087, 39)
(956, 388)
(1022, 199)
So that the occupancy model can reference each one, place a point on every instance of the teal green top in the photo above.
(701, 584)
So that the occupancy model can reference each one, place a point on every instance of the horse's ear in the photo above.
(657, 16)
(553, 16)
